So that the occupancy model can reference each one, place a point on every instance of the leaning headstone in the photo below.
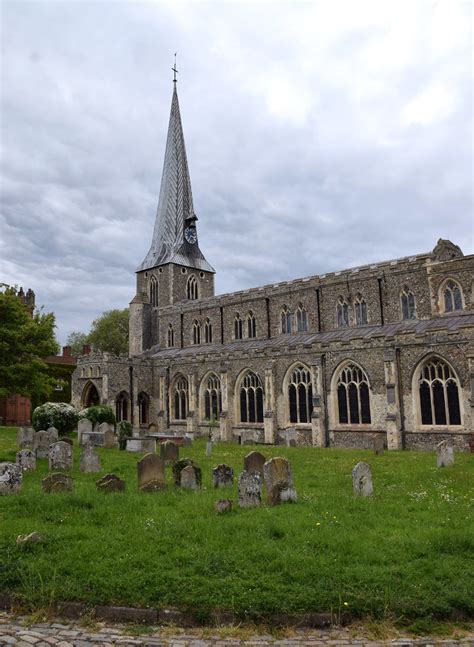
(223, 506)
(26, 459)
(222, 476)
(57, 483)
(90, 460)
(254, 462)
(250, 489)
(444, 454)
(26, 438)
(178, 467)
(151, 473)
(60, 456)
(362, 480)
(41, 444)
(110, 483)
(279, 481)
(379, 444)
(189, 478)
(169, 451)
(11, 478)
(109, 439)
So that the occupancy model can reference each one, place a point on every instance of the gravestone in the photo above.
(83, 426)
(109, 439)
(444, 454)
(41, 444)
(188, 478)
(180, 464)
(291, 437)
(250, 489)
(362, 480)
(103, 427)
(110, 483)
(90, 460)
(11, 478)
(60, 456)
(26, 459)
(57, 483)
(151, 473)
(53, 434)
(26, 438)
(279, 481)
(169, 451)
(223, 506)
(222, 476)
(209, 448)
(254, 462)
(379, 444)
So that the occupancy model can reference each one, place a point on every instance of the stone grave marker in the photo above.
(83, 426)
(222, 476)
(250, 489)
(109, 439)
(279, 481)
(379, 444)
(41, 444)
(60, 456)
(110, 483)
(169, 451)
(444, 454)
(223, 506)
(188, 478)
(53, 434)
(11, 478)
(90, 460)
(103, 427)
(151, 473)
(26, 459)
(57, 483)
(180, 464)
(254, 462)
(26, 438)
(291, 437)
(362, 480)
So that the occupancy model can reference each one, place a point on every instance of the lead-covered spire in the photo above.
(175, 212)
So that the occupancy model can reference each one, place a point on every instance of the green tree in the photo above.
(77, 340)
(24, 340)
(109, 332)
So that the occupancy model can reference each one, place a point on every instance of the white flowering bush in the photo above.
(61, 415)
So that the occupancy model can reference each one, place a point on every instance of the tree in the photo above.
(25, 338)
(109, 332)
(77, 340)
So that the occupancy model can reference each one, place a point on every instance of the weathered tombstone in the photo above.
(90, 460)
(11, 478)
(169, 451)
(379, 444)
(362, 480)
(291, 437)
(279, 481)
(83, 426)
(151, 473)
(57, 483)
(189, 478)
(223, 506)
(53, 434)
(109, 438)
(26, 459)
(254, 462)
(110, 483)
(444, 454)
(250, 489)
(222, 476)
(26, 438)
(180, 464)
(60, 456)
(103, 427)
(41, 444)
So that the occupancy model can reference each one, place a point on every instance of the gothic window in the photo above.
(212, 397)
(121, 407)
(353, 396)
(180, 398)
(452, 296)
(360, 307)
(251, 325)
(192, 288)
(301, 319)
(143, 408)
(342, 313)
(251, 398)
(300, 395)
(439, 394)
(285, 320)
(208, 331)
(97, 371)
(408, 303)
(196, 332)
(170, 336)
(154, 291)
(238, 327)
(90, 396)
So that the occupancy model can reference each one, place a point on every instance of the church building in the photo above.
(335, 359)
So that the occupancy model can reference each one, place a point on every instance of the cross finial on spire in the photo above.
(174, 69)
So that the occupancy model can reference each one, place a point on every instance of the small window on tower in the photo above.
(192, 288)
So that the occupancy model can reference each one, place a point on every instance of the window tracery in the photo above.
(208, 331)
(300, 395)
(251, 325)
(121, 406)
(408, 303)
(170, 336)
(360, 307)
(353, 396)
(212, 397)
(143, 408)
(196, 332)
(301, 319)
(251, 398)
(452, 296)
(342, 310)
(439, 394)
(192, 287)
(180, 398)
(285, 320)
(154, 291)
(238, 327)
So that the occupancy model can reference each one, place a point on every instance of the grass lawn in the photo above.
(405, 555)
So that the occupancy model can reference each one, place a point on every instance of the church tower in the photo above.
(175, 269)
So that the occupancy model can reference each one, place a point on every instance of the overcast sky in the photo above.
(319, 136)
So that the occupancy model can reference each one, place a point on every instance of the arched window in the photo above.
(353, 396)
(208, 331)
(143, 408)
(170, 336)
(196, 332)
(285, 320)
(180, 398)
(192, 288)
(342, 310)
(439, 394)
(97, 371)
(301, 319)
(407, 299)
(251, 325)
(360, 307)
(83, 371)
(251, 398)
(154, 291)
(211, 395)
(300, 395)
(238, 327)
(452, 296)
(121, 407)
(91, 371)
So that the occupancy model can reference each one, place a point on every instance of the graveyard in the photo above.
(403, 553)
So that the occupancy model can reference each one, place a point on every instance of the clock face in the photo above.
(190, 234)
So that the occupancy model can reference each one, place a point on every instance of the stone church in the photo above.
(333, 359)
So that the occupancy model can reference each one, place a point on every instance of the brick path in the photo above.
(16, 631)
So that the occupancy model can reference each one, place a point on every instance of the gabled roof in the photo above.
(175, 205)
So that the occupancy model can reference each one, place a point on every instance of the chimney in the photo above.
(67, 351)
(86, 349)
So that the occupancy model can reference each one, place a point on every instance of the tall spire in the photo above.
(175, 211)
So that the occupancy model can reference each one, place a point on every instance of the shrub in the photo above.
(98, 414)
(55, 414)
(124, 432)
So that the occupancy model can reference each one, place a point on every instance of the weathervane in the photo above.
(174, 69)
